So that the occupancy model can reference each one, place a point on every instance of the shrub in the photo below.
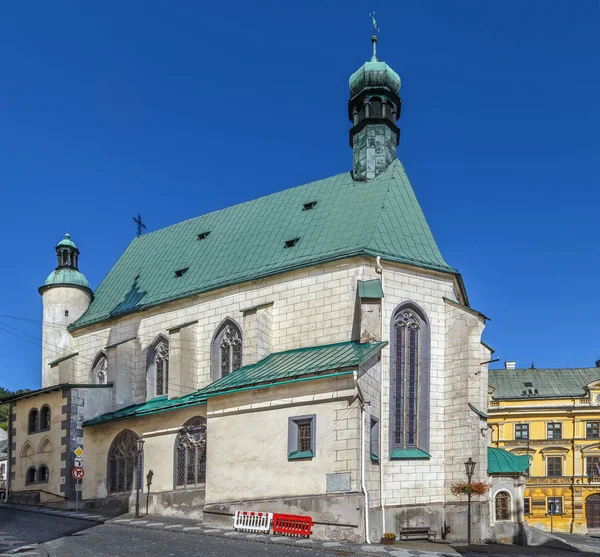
(464, 488)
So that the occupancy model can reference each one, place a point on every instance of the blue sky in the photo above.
(176, 109)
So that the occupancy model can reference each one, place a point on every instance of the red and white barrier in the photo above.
(249, 521)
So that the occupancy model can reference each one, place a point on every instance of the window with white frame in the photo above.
(554, 505)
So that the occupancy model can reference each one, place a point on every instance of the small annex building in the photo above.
(309, 351)
(552, 417)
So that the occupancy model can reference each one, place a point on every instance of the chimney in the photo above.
(597, 363)
(510, 365)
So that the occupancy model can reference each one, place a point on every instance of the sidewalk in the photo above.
(584, 544)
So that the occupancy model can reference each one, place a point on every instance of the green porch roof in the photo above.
(291, 366)
(503, 462)
(370, 288)
(153, 406)
(247, 241)
(545, 383)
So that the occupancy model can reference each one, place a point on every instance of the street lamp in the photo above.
(138, 479)
(469, 469)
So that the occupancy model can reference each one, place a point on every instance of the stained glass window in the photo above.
(190, 454)
(502, 506)
(406, 379)
(122, 462)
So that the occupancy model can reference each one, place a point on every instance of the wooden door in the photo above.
(592, 511)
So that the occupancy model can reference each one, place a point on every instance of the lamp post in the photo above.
(138, 479)
(469, 469)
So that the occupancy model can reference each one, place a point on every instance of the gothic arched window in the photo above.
(190, 454)
(502, 505)
(30, 475)
(34, 421)
(410, 380)
(122, 462)
(100, 369)
(158, 368)
(227, 349)
(45, 418)
(42, 473)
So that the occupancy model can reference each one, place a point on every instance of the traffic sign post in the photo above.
(78, 474)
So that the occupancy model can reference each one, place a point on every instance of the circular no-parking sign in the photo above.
(77, 473)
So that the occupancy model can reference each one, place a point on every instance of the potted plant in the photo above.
(388, 538)
(466, 488)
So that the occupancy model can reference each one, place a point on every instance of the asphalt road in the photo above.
(116, 541)
(19, 528)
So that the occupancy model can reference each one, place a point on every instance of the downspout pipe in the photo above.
(379, 270)
(362, 457)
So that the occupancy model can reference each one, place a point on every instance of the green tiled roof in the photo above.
(153, 406)
(3, 448)
(370, 289)
(503, 462)
(545, 383)
(247, 241)
(282, 367)
(293, 364)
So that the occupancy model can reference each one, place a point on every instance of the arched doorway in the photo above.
(592, 511)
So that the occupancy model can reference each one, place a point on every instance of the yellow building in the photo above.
(552, 415)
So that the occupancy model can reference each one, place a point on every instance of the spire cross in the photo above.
(374, 37)
(139, 223)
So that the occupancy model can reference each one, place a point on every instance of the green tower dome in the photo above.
(374, 74)
(67, 277)
(67, 272)
(66, 241)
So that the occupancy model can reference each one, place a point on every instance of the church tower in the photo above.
(66, 295)
(374, 109)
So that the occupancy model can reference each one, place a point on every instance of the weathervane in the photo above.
(374, 37)
(374, 21)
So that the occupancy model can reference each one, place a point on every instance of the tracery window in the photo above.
(122, 462)
(100, 370)
(410, 380)
(190, 454)
(227, 349)
(502, 505)
(161, 361)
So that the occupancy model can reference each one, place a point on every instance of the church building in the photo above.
(310, 351)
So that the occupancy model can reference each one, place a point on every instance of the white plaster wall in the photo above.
(56, 339)
(248, 456)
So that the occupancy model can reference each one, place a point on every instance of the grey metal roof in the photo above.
(545, 383)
